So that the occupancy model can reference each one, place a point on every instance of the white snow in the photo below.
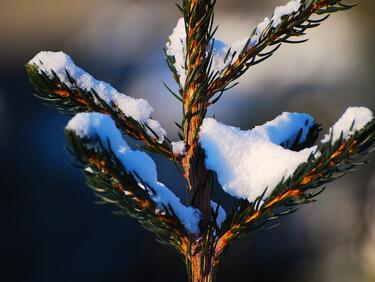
(281, 11)
(353, 120)
(221, 58)
(284, 128)
(259, 31)
(157, 129)
(249, 162)
(60, 63)
(178, 147)
(95, 124)
(221, 214)
(223, 53)
(176, 47)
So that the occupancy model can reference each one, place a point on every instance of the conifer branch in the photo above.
(291, 26)
(74, 99)
(113, 184)
(332, 162)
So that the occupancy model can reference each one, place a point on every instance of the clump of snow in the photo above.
(353, 120)
(221, 214)
(138, 109)
(284, 128)
(248, 162)
(259, 31)
(60, 63)
(281, 11)
(178, 147)
(176, 47)
(156, 128)
(94, 125)
(222, 55)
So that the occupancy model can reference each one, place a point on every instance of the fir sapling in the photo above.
(265, 171)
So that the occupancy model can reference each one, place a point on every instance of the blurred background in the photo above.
(50, 228)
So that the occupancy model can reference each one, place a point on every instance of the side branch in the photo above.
(69, 96)
(273, 32)
(332, 162)
(112, 183)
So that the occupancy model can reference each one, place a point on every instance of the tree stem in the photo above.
(198, 18)
(201, 264)
(195, 107)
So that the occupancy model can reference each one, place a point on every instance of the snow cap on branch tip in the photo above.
(354, 119)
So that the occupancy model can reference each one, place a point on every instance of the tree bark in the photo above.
(201, 265)
(195, 107)
(199, 256)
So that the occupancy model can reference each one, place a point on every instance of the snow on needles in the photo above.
(178, 147)
(281, 11)
(60, 63)
(249, 162)
(102, 126)
(285, 128)
(176, 48)
(258, 31)
(353, 120)
(223, 53)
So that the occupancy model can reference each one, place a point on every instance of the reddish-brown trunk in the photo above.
(201, 265)
(200, 254)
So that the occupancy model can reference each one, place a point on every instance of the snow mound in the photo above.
(250, 162)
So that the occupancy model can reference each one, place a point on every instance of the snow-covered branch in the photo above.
(97, 143)
(252, 163)
(249, 162)
(62, 84)
(230, 61)
(336, 155)
(287, 22)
